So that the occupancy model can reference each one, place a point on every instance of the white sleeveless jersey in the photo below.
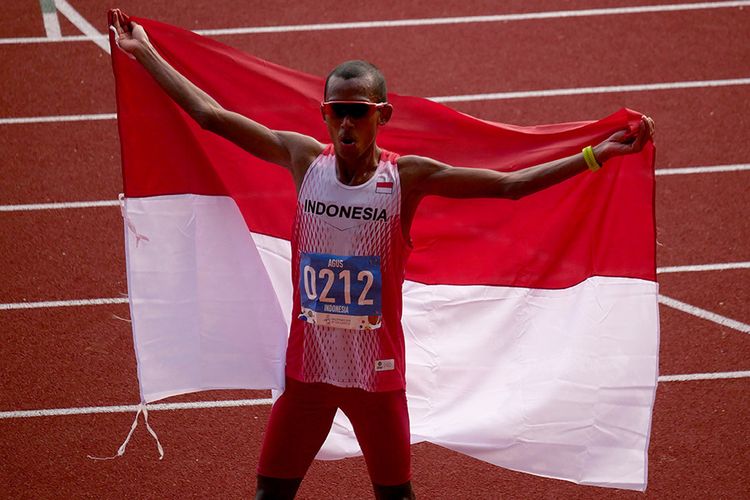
(348, 256)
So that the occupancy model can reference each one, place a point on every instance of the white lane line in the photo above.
(664, 300)
(433, 21)
(704, 314)
(59, 206)
(495, 18)
(661, 171)
(703, 267)
(703, 170)
(647, 87)
(62, 303)
(27, 40)
(703, 376)
(51, 22)
(52, 26)
(58, 118)
(82, 24)
(696, 311)
(55, 412)
(467, 98)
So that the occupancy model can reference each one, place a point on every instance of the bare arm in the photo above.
(290, 150)
(424, 176)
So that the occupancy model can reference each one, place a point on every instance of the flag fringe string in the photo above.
(121, 450)
(129, 223)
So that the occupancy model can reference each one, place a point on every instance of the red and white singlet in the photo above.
(348, 256)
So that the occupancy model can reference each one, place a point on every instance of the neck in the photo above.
(355, 171)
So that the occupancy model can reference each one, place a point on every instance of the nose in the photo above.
(347, 122)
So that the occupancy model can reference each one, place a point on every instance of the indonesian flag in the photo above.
(531, 326)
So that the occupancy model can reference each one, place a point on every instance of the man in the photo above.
(350, 242)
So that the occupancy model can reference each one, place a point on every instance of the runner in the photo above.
(350, 243)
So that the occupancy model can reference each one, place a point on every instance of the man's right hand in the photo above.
(130, 36)
(291, 150)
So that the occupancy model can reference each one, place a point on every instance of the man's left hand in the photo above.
(625, 142)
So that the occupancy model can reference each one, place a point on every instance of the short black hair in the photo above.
(360, 69)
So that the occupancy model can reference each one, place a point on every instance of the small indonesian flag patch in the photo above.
(384, 186)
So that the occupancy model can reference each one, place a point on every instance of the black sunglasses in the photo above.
(353, 109)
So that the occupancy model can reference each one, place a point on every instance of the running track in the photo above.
(57, 356)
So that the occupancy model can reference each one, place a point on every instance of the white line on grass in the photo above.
(434, 21)
(703, 267)
(54, 412)
(704, 314)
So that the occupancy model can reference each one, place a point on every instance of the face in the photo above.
(353, 136)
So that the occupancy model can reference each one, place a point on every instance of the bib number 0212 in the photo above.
(340, 291)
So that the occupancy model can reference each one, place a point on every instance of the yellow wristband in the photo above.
(588, 155)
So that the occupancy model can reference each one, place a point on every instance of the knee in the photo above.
(397, 492)
(273, 488)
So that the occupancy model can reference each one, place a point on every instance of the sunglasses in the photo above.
(353, 109)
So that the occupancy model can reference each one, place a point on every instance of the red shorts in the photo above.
(302, 416)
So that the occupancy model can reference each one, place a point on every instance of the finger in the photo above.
(116, 22)
(641, 137)
(649, 124)
(121, 21)
(125, 23)
(125, 20)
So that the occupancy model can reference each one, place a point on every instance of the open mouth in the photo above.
(348, 141)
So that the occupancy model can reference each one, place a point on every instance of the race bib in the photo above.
(340, 291)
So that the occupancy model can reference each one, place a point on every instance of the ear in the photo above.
(322, 113)
(385, 114)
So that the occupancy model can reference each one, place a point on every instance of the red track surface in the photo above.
(67, 357)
